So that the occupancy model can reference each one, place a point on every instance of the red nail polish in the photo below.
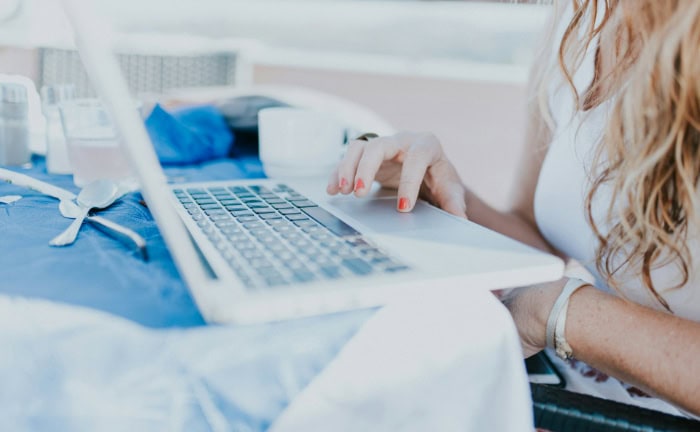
(359, 185)
(343, 182)
(403, 204)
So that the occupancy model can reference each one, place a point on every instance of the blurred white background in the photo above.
(456, 68)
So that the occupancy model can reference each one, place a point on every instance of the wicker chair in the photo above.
(145, 73)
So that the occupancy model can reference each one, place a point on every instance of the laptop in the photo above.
(266, 250)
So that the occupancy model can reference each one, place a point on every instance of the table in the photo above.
(95, 339)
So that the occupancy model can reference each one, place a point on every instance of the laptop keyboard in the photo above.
(275, 236)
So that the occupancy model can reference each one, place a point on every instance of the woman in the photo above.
(611, 181)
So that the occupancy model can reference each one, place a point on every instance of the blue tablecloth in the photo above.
(128, 332)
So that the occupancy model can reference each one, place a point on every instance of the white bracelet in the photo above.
(556, 323)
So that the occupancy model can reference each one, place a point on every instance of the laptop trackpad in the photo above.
(380, 214)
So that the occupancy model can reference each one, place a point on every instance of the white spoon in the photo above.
(98, 194)
(71, 210)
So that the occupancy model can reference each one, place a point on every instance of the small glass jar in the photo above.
(57, 160)
(14, 125)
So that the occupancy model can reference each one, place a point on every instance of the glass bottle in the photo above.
(57, 161)
(14, 125)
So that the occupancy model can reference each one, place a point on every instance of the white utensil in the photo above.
(9, 199)
(98, 194)
(67, 204)
(22, 180)
(71, 210)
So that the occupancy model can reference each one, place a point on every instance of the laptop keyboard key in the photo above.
(289, 211)
(330, 221)
(303, 223)
(283, 205)
(293, 196)
(205, 201)
(331, 272)
(380, 260)
(258, 188)
(253, 225)
(357, 266)
(260, 210)
(242, 213)
(304, 204)
(396, 268)
(258, 261)
(217, 211)
(296, 217)
(275, 281)
(274, 200)
(276, 248)
(303, 276)
(295, 264)
(229, 201)
(278, 222)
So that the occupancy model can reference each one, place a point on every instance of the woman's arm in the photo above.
(511, 224)
(653, 350)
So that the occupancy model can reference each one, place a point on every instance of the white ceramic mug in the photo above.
(297, 142)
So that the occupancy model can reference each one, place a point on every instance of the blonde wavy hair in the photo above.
(649, 153)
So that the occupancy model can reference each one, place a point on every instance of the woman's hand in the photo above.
(530, 309)
(412, 162)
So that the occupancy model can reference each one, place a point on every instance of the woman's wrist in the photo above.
(556, 322)
(582, 304)
(530, 309)
(543, 303)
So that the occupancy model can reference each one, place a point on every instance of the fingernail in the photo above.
(359, 185)
(403, 203)
(343, 182)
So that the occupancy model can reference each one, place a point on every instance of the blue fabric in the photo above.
(156, 294)
(189, 135)
(148, 342)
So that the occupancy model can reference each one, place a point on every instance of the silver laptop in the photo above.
(265, 250)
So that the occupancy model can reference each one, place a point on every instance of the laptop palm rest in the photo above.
(450, 242)
(380, 215)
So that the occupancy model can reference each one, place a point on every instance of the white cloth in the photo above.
(65, 368)
(563, 184)
(442, 363)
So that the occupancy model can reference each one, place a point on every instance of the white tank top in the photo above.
(565, 180)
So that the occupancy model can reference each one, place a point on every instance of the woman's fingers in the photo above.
(333, 185)
(419, 157)
(450, 192)
(454, 201)
(375, 153)
(411, 180)
(348, 166)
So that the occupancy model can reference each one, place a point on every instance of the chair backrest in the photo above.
(558, 410)
(145, 73)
